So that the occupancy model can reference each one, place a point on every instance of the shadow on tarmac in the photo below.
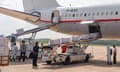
(99, 63)
(27, 61)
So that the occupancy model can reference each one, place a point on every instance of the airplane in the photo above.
(72, 20)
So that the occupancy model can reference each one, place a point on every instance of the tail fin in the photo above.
(30, 5)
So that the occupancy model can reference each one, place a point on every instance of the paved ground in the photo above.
(97, 64)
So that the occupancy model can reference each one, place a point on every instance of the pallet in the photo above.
(4, 60)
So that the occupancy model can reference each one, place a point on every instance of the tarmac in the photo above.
(97, 64)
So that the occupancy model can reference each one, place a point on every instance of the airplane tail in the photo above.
(30, 5)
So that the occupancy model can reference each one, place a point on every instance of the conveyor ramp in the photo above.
(40, 28)
(75, 39)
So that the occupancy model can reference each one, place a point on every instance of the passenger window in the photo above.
(116, 13)
(73, 15)
(85, 14)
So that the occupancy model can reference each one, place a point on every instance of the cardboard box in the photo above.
(65, 40)
(55, 42)
(4, 51)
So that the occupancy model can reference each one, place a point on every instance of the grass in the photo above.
(97, 42)
(106, 42)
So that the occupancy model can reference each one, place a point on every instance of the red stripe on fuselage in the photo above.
(107, 20)
(66, 21)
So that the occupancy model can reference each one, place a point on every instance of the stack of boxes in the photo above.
(4, 51)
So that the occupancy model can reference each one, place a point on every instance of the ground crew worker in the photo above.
(22, 51)
(64, 48)
(41, 50)
(114, 54)
(42, 47)
(12, 39)
(109, 53)
(14, 51)
(35, 54)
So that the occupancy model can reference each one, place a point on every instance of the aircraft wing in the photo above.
(20, 15)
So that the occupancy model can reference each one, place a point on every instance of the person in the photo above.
(64, 48)
(14, 51)
(41, 50)
(42, 47)
(12, 39)
(109, 53)
(22, 51)
(114, 54)
(35, 54)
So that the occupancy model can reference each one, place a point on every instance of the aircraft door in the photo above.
(55, 17)
(94, 28)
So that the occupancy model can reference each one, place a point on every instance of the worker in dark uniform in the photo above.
(114, 54)
(35, 54)
(23, 49)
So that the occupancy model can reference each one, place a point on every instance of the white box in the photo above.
(19, 31)
(54, 42)
(4, 50)
(94, 35)
(3, 42)
(65, 40)
(84, 37)
(75, 38)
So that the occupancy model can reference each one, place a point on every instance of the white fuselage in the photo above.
(106, 17)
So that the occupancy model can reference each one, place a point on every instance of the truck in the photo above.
(73, 53)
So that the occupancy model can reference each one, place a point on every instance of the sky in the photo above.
(9, 24)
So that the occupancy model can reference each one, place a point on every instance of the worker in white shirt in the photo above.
(14, 51)
(114, 54)
(109, 54)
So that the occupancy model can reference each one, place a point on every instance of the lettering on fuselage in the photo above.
(72, 10)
